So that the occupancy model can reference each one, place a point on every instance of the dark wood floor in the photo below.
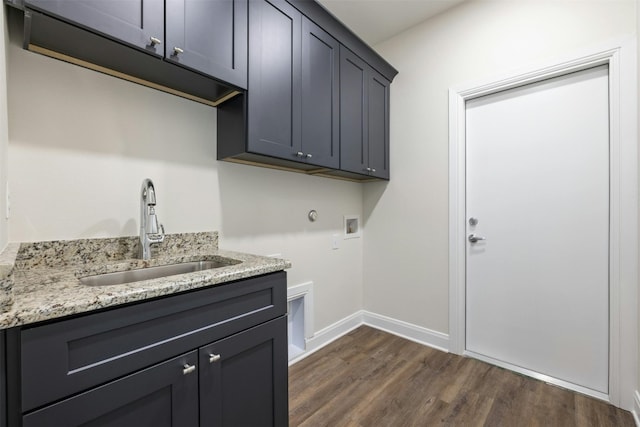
(372, 378)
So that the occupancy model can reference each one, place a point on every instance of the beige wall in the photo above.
(81, 143)
(406, 244)
(4, 133)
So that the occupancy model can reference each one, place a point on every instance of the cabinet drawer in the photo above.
(69, 356)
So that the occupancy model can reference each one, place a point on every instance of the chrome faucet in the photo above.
(148, 221)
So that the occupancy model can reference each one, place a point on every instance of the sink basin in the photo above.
(148, 273)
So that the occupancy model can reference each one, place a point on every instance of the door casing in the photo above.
(620, 57)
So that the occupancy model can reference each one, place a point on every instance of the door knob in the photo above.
(473, 238)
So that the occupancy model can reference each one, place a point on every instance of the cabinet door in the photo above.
(132, 21)
(378, 108)
(212, 35)
(3, 380)
(243, 378)
(274, 79)
(354, 120)
(320, 96)
(162, 395)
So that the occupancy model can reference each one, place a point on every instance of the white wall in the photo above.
(406, 245)
(80, 144)
(637, 409)
(4, 133)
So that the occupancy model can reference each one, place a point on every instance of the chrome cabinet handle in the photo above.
(368, 169)
(155, 41)
(214, 358)
(188, 369)
(177, 50)
(309, 156)
(300, 154)
(373, 170)
(473, 238)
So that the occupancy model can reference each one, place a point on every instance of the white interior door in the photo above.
(538, 184)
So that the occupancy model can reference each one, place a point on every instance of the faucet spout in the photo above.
(149, 228)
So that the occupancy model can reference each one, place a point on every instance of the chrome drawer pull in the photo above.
(188, 369)
(214, 358)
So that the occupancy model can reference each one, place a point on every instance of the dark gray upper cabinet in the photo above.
(308, 109)
(364, 118)
(378, 124)
(354, 129)
(191, 48)
(135, 22)
(274, 79)
(292, 103)
(320, 96)
(209, 36)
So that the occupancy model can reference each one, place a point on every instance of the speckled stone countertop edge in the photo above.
(42, 292)
(8, 259)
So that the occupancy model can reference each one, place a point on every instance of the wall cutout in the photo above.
(300, 318)
(352, 226)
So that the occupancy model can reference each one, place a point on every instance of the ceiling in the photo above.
(377, 20)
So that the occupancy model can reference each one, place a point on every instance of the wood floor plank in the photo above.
(371, 378)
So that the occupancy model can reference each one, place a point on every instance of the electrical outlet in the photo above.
(335, 241)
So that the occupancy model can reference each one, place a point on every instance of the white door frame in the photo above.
(621, 59)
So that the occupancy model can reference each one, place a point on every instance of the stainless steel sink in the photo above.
(148, 273)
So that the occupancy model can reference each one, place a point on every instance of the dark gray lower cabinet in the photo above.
(3, 381)
(162, 395)
(243, 378)
(212, 357)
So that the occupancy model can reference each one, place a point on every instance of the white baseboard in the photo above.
(412, 332)
(636, 408)
(329, 334)
(402, 329)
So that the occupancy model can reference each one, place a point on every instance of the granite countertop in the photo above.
(40, 281)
